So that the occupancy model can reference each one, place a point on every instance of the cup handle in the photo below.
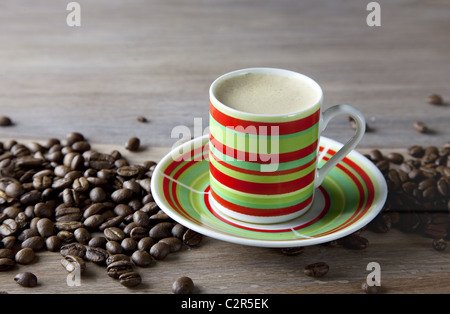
(327, 115)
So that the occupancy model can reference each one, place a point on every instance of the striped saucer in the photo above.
(351, 195)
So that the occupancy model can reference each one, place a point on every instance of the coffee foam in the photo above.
(266, 93)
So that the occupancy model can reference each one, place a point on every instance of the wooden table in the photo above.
(157, 59)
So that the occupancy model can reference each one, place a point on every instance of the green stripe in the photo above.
(256, 166)
(262, 178)
(263, 144)
(262, 203)
(239, 196)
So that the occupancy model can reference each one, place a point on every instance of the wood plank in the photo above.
(408, 263)
(157, 59)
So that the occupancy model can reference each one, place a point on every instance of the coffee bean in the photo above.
(81, 146)
(26, 279)
(53, 243)
(421, 127)
(45, 227)
(93, 221)
(80, 185)
(133, 144)
(292, 251)
(435, 99)
(395, 158)
(178, 231)
(117, 257)
(382, 223)
(436, 231)
(174, 243)
(5, 121)
(439, 244)
(138, 233)
(354, 242)
(97, 241)
(118, 266)
(8, 242)
(76, 249)
(160, 250)
(121, 195)
(14, 190)
(61, 184)
(123, 210)
(192, 238)
(416, 151)
(70, 225)
(24, 256)
(67, 214)
(43, 210)
(129, 244)
(316, 270)
(35, 243)
(114, 247)
(73, 262)
(145, 243)
(141, 258)
(97, 195)
(161, 230)
(142, 220)
(82, 235)
(6, 253)
(370, 289)
(183, 285)
(96, 255)
(376, 155)
(8, 228)
(383, 165)
(73, 137)
(443, 187)
(130, 279)
(424, 184)
(429, 193)
(114, 234)
(142, 119)
(130, 171)
(111, 222)
(6, 264)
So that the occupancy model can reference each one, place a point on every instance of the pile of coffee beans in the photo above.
(64, 197)
(418, 202)
(419, 192)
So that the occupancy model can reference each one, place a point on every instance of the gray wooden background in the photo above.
(157, 59)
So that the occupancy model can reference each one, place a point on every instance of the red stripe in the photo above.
(361, 211)
(254, 127)
(261, 188)
(322, 213)
(261, 212)
(258, 173)
(263, 158)
(189, 156)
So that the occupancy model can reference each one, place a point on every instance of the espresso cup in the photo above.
(265, 125)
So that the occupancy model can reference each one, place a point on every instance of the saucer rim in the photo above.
(377, 206)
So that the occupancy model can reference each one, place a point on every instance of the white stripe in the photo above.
(323, 153)
(300, 235)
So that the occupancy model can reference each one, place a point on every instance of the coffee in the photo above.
(266, 93)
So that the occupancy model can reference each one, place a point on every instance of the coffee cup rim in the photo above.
(264, 70)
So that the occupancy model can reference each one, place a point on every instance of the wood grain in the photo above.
(157, 59)
(408, 263)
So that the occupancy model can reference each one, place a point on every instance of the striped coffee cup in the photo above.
(263, 166)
